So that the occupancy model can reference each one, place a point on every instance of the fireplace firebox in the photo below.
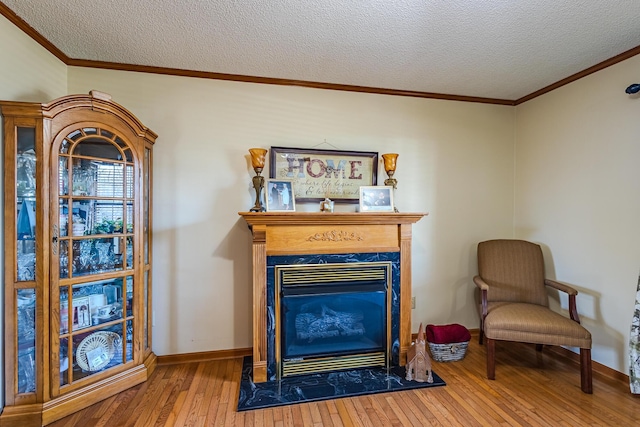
(332, 316)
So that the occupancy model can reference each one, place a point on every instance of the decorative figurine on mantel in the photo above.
(418, 360)
(326, 205)
(257, 161)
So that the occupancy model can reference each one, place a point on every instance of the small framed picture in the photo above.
(97, 358)
(81, 313)
(376, 199)
(280, 197)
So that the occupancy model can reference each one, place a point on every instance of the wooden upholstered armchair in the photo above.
(514, 304)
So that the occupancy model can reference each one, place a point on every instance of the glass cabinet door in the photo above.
(95, 234)
(146, 237)
(25, 258)
(26, 299)
(26, 203)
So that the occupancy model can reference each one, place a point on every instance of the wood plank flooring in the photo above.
(531, 389)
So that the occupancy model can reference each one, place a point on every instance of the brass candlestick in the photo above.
(257, 161)
(390, 168)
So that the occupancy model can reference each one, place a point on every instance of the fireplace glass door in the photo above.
(333, 317)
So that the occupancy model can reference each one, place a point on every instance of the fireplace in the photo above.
(312, 310)
(332, 311)
(332, 316)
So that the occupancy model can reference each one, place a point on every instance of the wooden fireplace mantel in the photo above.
(292, 233)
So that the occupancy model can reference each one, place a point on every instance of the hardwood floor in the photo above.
(531, 389)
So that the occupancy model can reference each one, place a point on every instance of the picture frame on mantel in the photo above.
(376, 199)
(280, 196)
(319, 174)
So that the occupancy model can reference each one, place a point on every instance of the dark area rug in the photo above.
(314, 387)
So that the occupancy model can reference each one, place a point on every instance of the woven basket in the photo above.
(448, 352)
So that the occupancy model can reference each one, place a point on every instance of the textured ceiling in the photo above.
(502, 49)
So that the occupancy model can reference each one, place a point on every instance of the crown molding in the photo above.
(39, 38)
(280, 82)
(577, 76)
(31, 32)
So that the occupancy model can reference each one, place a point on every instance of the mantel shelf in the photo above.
(317, 218)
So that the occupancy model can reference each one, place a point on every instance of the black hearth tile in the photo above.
(315, 387)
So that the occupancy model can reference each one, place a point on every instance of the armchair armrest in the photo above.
(481, 283)
(484, 288)
(573, 310)
(561, 287)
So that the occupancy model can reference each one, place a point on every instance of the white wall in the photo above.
(454, 158)
(578, 194)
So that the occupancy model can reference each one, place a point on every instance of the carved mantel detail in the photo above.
(335, 236)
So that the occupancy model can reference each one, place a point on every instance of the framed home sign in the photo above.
(319, 174)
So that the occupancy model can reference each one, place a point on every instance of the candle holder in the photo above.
(257, 161)
(390, 168)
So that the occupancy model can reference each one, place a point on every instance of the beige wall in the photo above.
(574, 152)
(28, 72)
(454, 157)
(578, 193)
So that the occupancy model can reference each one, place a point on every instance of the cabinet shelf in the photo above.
(112, 322)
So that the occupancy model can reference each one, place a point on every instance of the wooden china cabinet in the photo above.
(77, 264)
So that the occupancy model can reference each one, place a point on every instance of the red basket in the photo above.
(448, 343)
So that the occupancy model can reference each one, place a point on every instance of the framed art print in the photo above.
(320, 174)
(81, 313)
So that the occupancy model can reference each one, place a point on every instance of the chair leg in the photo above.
(491, 359)
(481, 334)
(586, 375)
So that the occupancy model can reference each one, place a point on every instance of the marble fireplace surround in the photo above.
(278, 234)
(387, 262)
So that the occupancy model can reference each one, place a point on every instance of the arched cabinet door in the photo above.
(95, 272)
(78, 215)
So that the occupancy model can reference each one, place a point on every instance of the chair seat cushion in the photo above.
(533, 323)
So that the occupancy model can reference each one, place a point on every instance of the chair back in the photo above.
(514, 271)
